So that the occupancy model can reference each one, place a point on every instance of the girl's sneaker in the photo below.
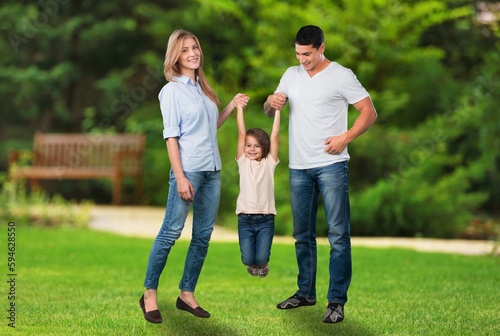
(253, 270)
(264, 271)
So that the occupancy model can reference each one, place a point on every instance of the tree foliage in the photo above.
(428, 165)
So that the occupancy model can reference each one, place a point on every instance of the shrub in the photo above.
(35, 208)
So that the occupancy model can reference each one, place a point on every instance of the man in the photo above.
(319, 92)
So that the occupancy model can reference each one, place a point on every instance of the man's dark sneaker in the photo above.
(296, 301)
(334, 313)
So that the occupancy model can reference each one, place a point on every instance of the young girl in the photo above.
(257, 157)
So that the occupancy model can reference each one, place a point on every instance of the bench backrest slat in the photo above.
(87, 150)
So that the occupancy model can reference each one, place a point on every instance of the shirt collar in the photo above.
(186, 79)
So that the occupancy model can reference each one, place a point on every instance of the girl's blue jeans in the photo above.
(255, 232)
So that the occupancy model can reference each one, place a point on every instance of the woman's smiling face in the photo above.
(190, 57)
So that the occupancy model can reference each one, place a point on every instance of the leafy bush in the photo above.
(35, 208)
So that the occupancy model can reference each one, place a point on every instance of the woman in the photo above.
(191, 119)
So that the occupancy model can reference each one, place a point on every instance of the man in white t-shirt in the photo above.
(319, 93)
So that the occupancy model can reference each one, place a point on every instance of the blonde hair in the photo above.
(171, 67)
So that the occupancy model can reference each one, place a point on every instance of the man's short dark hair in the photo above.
(308, 35)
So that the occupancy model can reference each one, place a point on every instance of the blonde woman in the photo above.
(191, 117)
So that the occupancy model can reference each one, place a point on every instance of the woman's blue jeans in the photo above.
(207, 186)
(305, 185)
(255, 233)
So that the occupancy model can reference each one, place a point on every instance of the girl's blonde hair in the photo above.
(172, 68)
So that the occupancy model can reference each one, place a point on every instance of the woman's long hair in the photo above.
(172, 68)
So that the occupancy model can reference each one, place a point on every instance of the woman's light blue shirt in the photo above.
(191, 117)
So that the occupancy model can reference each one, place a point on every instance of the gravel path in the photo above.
(140, 221)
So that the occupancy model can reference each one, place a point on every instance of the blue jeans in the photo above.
(207, 186)
(305, 185)
(255, 232)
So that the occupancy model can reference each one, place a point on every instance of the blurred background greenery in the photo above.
(428, 167)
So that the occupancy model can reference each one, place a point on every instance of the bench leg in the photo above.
(35, 185)
(117, 190)
(138, 189)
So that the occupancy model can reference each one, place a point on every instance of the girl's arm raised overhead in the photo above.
(275, 135)
(240, 121)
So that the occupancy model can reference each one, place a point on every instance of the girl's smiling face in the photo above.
(253, 149)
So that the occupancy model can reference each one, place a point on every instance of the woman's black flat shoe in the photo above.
(198, 311)
(152, 316)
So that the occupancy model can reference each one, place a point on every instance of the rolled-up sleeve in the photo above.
(170, 112)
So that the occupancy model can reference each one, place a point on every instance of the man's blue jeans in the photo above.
(207, 186)
(305, 185)
(255, 233)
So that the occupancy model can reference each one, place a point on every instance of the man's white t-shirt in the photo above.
(318, 110)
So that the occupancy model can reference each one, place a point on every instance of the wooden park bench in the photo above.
(83, 156)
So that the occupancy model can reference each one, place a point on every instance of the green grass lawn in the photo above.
(81, 282)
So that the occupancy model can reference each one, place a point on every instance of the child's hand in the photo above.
(241, 100)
